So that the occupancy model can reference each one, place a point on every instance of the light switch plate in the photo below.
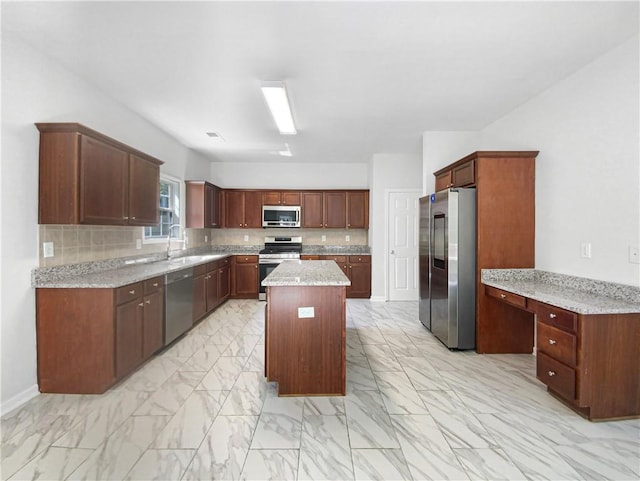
(47, 249)
(306, 312)
(347, 237)
(138, 243)
(585, 250)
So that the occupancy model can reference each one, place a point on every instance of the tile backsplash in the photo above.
(85, 243)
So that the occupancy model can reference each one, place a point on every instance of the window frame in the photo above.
(175, 207)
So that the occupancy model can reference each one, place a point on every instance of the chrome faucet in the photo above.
(169, 238)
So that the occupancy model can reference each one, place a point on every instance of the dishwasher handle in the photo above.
(178, 276)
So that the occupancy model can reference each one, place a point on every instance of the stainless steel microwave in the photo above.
(280, 216)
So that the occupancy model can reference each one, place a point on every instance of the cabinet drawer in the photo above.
(505, 296)
(246, 259)
(464, 174)
(200, 270)
(337, 259)
(556, 343)
(557, 376)
(223, 262)
(360, 259)
(310, 257)
(153, 284)
(555, 316)
(129, 292)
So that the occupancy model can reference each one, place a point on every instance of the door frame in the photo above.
(387, 255)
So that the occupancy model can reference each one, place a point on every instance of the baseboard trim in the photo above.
(378, 299)
(19, 399)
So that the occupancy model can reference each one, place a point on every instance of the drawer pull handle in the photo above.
(503, 296)
(552, 315)
(141, 305)
(552, 341)
(155, 284)
(551, 373)
(148, 302)
(132, 291)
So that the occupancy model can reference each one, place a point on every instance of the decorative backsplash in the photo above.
(87, 243)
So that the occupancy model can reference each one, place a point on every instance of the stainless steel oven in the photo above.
(276, 250)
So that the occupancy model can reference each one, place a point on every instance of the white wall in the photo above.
(440, 149)
(36, 89)
(295, 175)
(587, 130)
(388, 171)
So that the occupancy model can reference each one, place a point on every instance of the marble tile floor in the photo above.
(414, 410)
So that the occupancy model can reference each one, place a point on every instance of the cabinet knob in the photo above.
(141, 305)
(126, 217)
(551, 373)
(552, 315)
(502, 296)
(132, 291)
(147, 301)
(552, 341)
(133, 218)
(155, 284)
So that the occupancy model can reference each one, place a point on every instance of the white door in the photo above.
(402, 254)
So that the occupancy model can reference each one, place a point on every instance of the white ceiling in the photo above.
(363, 77)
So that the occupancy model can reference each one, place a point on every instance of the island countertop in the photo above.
(307, 273)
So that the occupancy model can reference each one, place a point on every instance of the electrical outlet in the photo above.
(585, 250)
(324, 238)
(634, 254)
(206, 238)
(246, 238)
(138, 243)
(47, 249)
(347, 238)
(305, 312)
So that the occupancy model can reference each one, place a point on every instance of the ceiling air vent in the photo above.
(215, 136)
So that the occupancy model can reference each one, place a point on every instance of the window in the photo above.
(169, 211)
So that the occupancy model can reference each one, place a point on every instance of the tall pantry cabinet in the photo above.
(505, 185)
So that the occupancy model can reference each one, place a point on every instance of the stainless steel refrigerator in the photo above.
(447, 243)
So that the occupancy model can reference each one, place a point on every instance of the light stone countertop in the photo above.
(352, 250)
(129, 274)
(577, 294)
(307, 273)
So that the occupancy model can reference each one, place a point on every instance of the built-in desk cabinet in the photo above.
(88, 178)
(589, 361)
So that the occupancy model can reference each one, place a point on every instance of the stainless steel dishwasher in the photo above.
(178, 303)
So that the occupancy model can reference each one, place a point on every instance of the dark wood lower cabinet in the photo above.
(356, 268)
(88, 339)
(245, 277)
(211, 286)
(199, 292)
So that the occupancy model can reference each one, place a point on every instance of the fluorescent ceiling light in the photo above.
(276, 97)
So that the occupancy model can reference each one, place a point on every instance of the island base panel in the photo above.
(306, 356)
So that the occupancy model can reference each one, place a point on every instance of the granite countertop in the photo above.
(128, 274)
(355, 250)
(577, 294)
(307, 273)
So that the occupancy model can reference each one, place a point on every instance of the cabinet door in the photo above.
(358, 210)
(212, 290)
(199, 297)
(152, 323)
(464, 174)
(291, 198)
(128, 336)
(224, 283)
(271, 198)
(253, 209)
(335, 209)
(312, 215)
(246, 280)
(212, 209)
(144, 191)
(234, 209)
(360, 277)
(104, 181)
(443, 180)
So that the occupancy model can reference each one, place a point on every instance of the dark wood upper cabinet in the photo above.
(335, 209)
(243, 209)
(88, 178)
(358, 209)
(281, 197)
(203, 205)
(312, 209)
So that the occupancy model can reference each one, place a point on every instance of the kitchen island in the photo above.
(305, 328)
